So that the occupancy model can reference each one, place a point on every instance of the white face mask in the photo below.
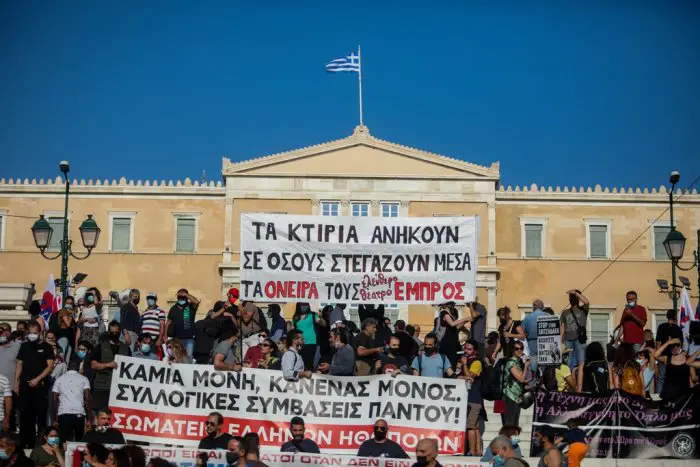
(631, 303)
(32, 337)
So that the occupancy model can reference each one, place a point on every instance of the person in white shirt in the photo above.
(71, 396)
(5, 403)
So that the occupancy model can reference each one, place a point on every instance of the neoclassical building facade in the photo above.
(535, 242)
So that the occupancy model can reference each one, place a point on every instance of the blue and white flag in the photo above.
(351, 63)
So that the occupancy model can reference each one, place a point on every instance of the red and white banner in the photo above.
(162, 403)
(187, 458)
(358, 259)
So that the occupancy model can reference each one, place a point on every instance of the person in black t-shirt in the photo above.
(35, 361)
(216, 438)
(180, 322)
(666, 331)
(408, 348)
(380, 445)
(366, 347)
(299, 443)
(393, 363)
(104, 433)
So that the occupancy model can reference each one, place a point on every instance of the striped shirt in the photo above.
(150, 321)
(5, 391)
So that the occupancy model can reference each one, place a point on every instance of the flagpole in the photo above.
(359, 80)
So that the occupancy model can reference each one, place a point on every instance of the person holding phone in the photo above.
(49, 452)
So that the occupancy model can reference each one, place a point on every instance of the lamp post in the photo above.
(674, 240)
(42, 232)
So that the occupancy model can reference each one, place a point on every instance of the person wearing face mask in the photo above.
(504, 454)
(431, 364)
(677, 381)
(647, 370)
(279, 324)
(145, 348)
(509, 331)
(292, 363)
(130, 319)
(380, 445)
(634, 318)
(305, 321)
(509, 431)
(11, 452)
(426, 453)
(89, 326)
(343, 363)
(216, 438)
(103, 432)
(368, 351)
(71, 399)
(299, 443)
(233, 454)
(393, 363)
(49, 453)
(254, 353)
(8, 358)
(153, 320)
(83, 355)
(103, 365)
(232, 302)
(35, 362)
(64, 327)
(181, 318)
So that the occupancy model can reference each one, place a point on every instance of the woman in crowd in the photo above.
(596, 375)
(678, 379)
(49, 451)
(509, 331)
(448, 319)
(565, 379)
(35, 314)
(490, 347)
(514, 386)
(118, 458)
(269, 359)
(625, 354)
(305, 321)
(96, 455)
(176, 352)
(647, 369)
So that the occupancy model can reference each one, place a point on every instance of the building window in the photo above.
(659, 318)
(330, 208)
(55, 219)
(533, 232)
(122, 231)
(186, 227)
(659, 235)
(598, 238)
(599, 327)
(3, 223)
(390, 209)
(360, 209)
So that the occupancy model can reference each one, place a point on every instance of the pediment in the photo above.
(360, 155)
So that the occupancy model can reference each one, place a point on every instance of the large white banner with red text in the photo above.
(168, 403)
(187, 458)
(376, 260)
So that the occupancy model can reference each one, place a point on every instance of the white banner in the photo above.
(187, 458)
(163, 403)
(548, 341)
(358, 259)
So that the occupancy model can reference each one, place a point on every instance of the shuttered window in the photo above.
(533, 240)
(660, 233)
(598, 238)
(186, 230)
(57, 234)
(599, 330)
(121, 234)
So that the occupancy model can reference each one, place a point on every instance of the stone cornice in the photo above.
(360, 136)
(121, 186)
(597, 193)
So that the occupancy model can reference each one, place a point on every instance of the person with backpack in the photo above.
(514, 377)
(431, 364)
(596, 375)
(504, 454)
(292, 362)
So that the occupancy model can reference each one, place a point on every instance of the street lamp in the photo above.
(42, 233)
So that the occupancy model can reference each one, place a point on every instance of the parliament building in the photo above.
(535, 241)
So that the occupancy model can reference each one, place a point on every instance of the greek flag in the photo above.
(351, 63)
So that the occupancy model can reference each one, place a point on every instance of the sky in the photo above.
(582, 94)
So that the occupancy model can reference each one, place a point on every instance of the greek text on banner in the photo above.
(358, 259)
(157, 402)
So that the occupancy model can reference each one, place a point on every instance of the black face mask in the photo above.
(136, 300)
(429, 350)
(421, 460)
(114, 336)
(393, 352)
(379, 435)
(232, 457)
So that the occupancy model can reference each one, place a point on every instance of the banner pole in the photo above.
(359, 80)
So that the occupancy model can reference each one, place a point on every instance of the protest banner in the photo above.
(548, 341)
(187, 458)
(624, 426)
(157, 402)
(376, 260)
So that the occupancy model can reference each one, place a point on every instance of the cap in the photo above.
(151, 295)
(234, 292)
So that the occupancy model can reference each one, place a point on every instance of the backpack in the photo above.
(492, 381)
(438, 328)
(595, 377)
(631, 381)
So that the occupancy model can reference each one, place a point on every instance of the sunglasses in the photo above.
(211, 424)
(380, 428)
(518, 348)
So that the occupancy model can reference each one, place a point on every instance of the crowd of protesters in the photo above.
(55, 374)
